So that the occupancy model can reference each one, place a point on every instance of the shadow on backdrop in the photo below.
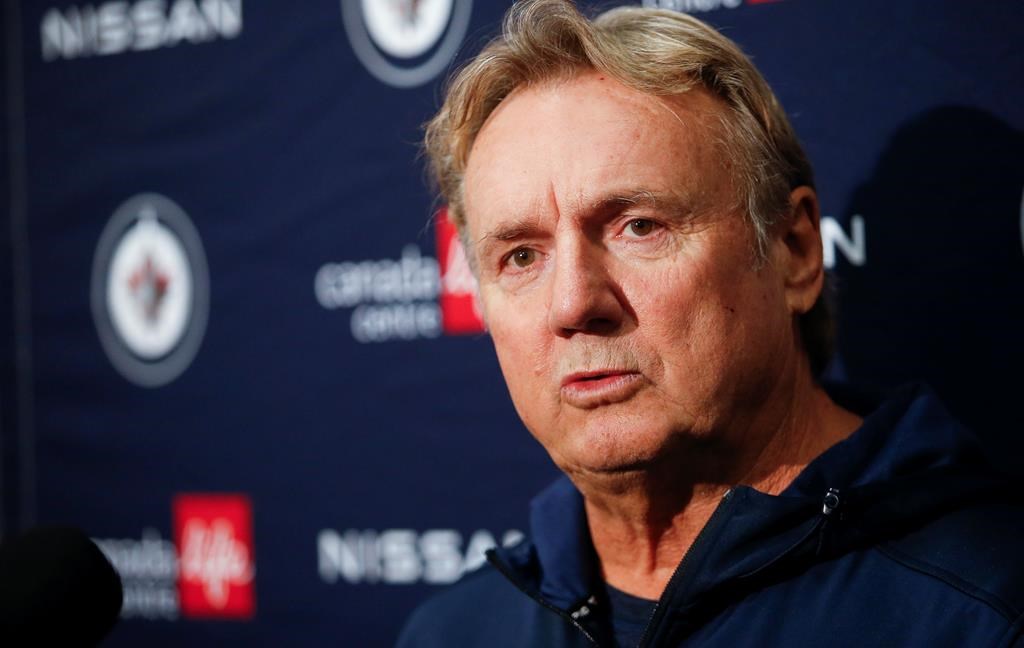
(941, 297)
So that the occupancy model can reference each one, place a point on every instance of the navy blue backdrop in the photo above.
(240, 351)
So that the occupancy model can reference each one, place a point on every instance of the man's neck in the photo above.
(642, 523)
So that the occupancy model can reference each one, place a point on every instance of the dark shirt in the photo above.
(629, 616)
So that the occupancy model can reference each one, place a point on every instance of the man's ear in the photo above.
(800, 252)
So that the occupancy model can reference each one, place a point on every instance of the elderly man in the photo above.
(643, 225)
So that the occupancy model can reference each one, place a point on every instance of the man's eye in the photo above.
(523, 257)
(640, 227)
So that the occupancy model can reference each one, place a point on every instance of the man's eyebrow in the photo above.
(526, 227)
(510, 231)
(640, 197)
(636, 197)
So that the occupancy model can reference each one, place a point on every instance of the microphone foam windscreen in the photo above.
(56, 588)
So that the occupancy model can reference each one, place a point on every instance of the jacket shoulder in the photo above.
(464, 614)
(486, 609)
(975, 549)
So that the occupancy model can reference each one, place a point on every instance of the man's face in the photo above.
(617, 273)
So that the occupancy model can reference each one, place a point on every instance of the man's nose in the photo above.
(584, 296)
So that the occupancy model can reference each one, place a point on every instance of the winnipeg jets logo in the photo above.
(150, 290)
(409, 10)
(149, 287)
(405, 43)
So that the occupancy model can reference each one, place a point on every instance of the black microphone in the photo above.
(56, 589)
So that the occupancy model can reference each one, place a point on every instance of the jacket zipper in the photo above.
(829, 506)
(712, 525)
(507, 573)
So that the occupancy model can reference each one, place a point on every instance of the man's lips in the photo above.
(589, 389)
(594, 376)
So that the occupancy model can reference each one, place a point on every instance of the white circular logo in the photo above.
(405, 43)
(150, 290)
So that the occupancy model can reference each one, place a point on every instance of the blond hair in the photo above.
(654, 51)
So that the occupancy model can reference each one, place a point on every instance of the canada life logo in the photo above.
(413, 297)
(213, 533)
(460, 310)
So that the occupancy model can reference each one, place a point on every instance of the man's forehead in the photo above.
(587, 139)
(596, 97)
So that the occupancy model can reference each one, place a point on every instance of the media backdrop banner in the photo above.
(240, 347)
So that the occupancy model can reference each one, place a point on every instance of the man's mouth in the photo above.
(591, 376)
(589, 389)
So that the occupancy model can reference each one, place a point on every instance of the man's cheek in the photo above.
(515, 359)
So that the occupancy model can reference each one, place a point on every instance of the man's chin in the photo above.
(597, 454)
(607, 465)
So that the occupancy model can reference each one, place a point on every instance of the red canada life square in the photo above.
(460, 312)
(216, 572)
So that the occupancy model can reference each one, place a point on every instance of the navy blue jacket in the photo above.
(897, 536)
